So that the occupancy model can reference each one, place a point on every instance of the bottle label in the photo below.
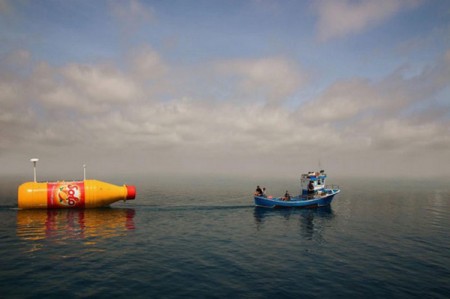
(65, 195)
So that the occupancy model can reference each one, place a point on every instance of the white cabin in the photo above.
(317, 178)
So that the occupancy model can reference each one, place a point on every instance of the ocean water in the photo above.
(203, 238)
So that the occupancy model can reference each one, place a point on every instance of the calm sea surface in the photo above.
(203, 238)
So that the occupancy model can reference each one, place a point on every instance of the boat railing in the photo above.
(332, 187)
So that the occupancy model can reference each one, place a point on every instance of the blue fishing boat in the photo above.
(314, 193)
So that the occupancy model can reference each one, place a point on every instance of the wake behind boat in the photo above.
(314, 193)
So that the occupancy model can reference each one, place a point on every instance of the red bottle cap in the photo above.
(131, 192)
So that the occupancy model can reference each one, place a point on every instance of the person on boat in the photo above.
(287, 196)
(258, 191)
(311, 189)
(264, 192)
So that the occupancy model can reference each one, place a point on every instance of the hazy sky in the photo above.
(228, 87)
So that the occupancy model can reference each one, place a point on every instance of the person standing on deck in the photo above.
(311, 189)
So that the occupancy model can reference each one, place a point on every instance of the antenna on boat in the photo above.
(84, 172)
(34, 161)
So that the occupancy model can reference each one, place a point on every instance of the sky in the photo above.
(251, 88)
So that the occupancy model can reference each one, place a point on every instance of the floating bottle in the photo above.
(73, 194)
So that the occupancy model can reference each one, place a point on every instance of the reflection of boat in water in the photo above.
(74, 223)
(311, 221)
(314, 194)
(261, 213)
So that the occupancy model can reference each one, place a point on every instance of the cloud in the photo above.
(89, 106)
(20, 57)
(132, 14)
(100, 84)
(85, 89)
(396, 134)
(274, 78)
(338, 19)
(147, 64)
(342, 101)
(105, 112)
(397, 113)
(5, 7)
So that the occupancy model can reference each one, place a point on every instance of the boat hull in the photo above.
(297, 201)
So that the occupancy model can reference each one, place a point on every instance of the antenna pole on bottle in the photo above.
(34, 161)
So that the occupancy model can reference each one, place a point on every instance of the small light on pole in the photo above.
(34, 160)
(84, 172)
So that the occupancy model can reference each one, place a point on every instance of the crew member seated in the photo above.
(258, 191)
(287, 196)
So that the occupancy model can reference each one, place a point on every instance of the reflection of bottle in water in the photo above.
(77, 194)
(64, 224)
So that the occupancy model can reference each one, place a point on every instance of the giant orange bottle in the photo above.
(76, 194)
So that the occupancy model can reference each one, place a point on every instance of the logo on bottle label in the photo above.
(65, 195)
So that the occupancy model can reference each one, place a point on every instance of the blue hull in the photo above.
(297, 201)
